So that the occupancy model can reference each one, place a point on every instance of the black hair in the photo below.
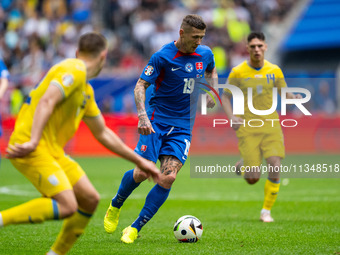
(258, 35)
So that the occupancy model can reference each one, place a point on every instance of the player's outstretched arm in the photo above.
(144, 124)
(42, 114)
(212, 79)
(226, 104)
(112, 142)
(3, 86)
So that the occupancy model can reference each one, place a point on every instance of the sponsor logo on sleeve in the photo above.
(68, 80)
(148, 70)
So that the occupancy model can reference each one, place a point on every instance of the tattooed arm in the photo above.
(144, 125)
(211, 77)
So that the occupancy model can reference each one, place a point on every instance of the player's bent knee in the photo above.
(252, 180)
(67, 209)
(139, 175)
(167, 181)
(93, 199)
(67, 203)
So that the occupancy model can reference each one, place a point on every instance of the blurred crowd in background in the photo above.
(35, 34)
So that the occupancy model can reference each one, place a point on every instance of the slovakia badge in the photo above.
(143, 148)
(199, 66)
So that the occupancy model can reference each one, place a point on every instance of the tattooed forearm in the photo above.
(211, 77)
(211, 74)
(139, 91)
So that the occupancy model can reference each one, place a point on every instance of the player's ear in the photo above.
(265, 46)
(248, 48)
(77, 53)
(103, 54)
(181, 32)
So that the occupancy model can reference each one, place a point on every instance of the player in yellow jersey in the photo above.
(257, 137)
(48, 119)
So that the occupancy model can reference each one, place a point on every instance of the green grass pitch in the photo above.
(306, 213)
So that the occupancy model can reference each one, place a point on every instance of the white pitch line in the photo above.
(27, 191)
(18, 190)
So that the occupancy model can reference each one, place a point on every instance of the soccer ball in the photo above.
(188, 229)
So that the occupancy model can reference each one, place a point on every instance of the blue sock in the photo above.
(126, 187)
(153, 202)
(270, 179)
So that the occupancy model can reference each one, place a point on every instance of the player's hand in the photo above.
(151, 169)
(297, 96)
(20, 150)
(144, 126)
(236, 122)
(210, 102)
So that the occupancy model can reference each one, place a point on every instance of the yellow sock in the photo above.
(72, 228)
(271, 190)
(34, 211)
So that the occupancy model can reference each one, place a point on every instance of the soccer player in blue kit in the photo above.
(164, 128)
(4, 74)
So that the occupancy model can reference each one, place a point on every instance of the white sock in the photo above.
(265, 211)
(1, 222)
(51, 253)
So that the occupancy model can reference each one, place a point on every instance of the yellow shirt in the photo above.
(262, 82)
(78, 101)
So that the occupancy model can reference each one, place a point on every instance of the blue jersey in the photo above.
(172, 73)
(3, 74)
(3, 70)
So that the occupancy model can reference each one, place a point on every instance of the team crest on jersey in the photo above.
(68, 80)
(148, 70)
(143, 148)
(86, 97)
(189, 67)
(199, 66)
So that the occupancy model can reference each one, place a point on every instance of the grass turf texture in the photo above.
(307, 214)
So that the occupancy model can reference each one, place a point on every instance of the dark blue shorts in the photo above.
(167, 140)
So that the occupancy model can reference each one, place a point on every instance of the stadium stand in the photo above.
(36, 34)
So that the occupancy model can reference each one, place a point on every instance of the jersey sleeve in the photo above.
(211, 62)
(279, 80)
(152, 69)
(92, 109)
(3, 70)
(67, 80)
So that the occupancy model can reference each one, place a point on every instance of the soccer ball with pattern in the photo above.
(188, 229)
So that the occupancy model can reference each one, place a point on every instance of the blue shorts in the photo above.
(168, 140)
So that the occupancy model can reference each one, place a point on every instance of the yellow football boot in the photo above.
(130, 234)
(111, 219)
